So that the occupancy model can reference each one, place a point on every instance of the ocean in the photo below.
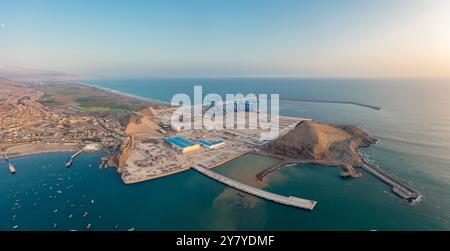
(413, 128)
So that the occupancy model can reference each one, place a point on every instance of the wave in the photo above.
(416, 201)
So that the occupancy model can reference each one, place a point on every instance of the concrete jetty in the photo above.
(289, 201)
(260, 176)
(334, 102)
(68, 163)
(398, 188)
(403, 191)
(70, 160)
(103, 162)
(87, 148)
(76, 154)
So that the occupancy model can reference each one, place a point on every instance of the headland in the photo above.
(137, 134)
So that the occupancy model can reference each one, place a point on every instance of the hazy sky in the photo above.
(347, 38)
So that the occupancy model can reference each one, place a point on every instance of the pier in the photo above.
(260, 176)
(77, 153)
(103, 162)
(289, 201)
(398, 188)
(70, 160)
(334, 102)
(87, 148)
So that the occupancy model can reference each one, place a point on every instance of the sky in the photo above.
(233, 38)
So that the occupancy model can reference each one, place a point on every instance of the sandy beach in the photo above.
(39, 148)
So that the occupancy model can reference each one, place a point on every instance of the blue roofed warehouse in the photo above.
(182, 144)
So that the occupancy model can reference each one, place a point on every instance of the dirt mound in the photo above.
(142, 123)
(316, 141)
(149, 112)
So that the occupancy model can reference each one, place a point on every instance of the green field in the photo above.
(110, 108)
(104, 104)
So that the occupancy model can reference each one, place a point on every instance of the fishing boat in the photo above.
(12, 169)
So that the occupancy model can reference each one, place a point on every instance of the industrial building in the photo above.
(183, 145)
(211, 145)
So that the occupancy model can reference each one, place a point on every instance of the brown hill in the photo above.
(321, 142)
(142, 123)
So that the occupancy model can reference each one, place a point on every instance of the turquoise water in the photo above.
(414, 131)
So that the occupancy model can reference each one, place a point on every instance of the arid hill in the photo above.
(142, 123)
(321, 142)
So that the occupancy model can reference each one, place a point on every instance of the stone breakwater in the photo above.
(331, 145)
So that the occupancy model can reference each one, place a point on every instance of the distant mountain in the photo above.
(21, 74)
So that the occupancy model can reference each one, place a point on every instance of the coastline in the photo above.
(29, 149)
(373, 107)
(25, 150)
(158, 102)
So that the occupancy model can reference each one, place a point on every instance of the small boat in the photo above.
(70, 216)
(92, 201)
(15, 227)
(241, 194)
(88, 226)
(12, 169)
(131, 229)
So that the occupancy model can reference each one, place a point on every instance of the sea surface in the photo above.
(413, 127)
